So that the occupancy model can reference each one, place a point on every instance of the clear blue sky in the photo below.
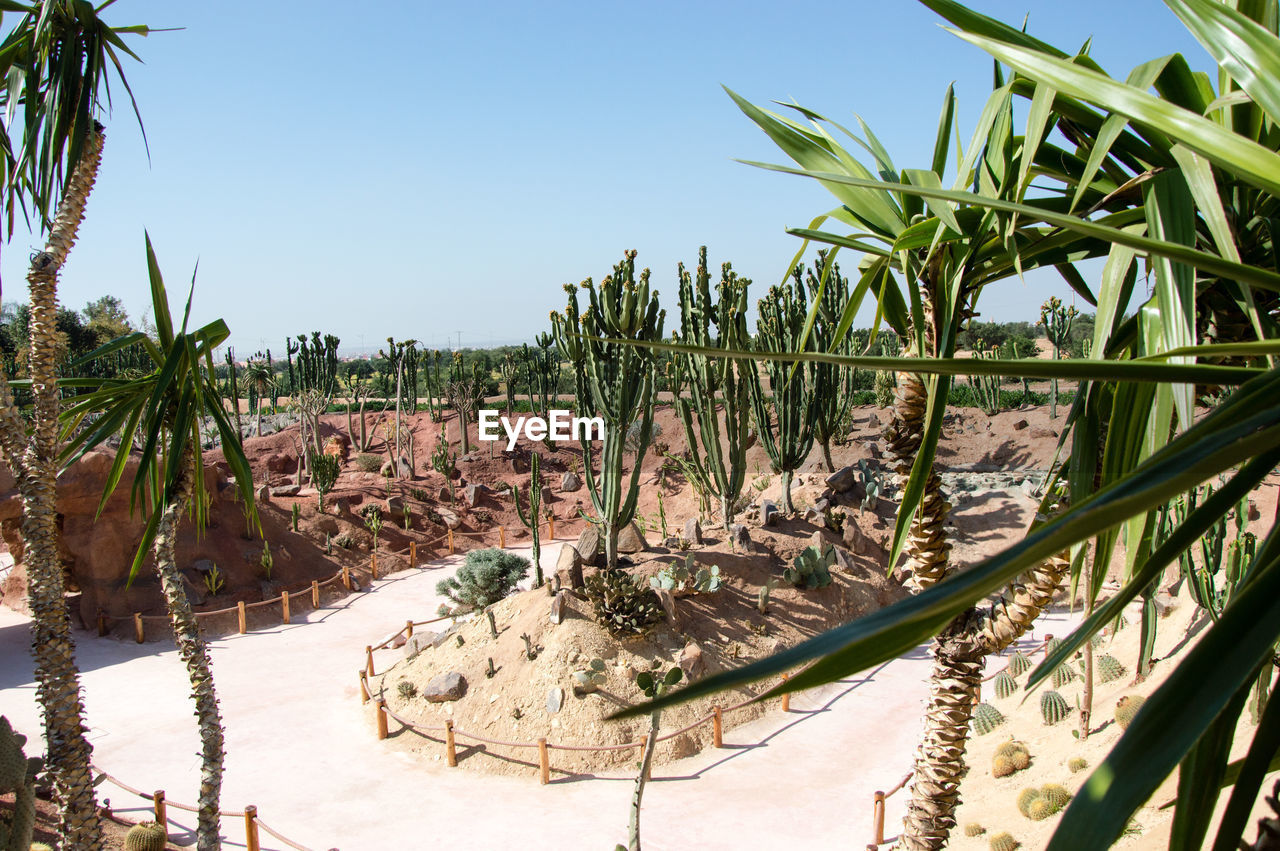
(419, 169)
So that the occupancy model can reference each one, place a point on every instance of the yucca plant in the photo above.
(162, 411)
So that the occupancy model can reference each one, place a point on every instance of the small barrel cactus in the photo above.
(1053, 707)
(145, 836)
(1077, 764)
(1005, 685)
(1109, 668)
(986, 718)
(1019, 664)
(1010, 757)
(1040, 809)
(1003, 842)
(1062, 675)
(1052, 646)
(974, 829)
(1056, 794)
(1127, 707)
(1026, 798)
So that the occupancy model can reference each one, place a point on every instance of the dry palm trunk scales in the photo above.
(927, 549)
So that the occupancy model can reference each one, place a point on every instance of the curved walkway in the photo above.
(303, 750)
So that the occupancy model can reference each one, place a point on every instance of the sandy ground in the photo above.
(303, 750)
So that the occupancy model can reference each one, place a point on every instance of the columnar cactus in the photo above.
(832, 384)
(705, 378)
(785, 415)
(986, 387)
(614, 381)
(1057, 321)
(531, 519)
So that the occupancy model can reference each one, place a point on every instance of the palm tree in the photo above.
(162, 411)
(1193, 170)
(55, 60)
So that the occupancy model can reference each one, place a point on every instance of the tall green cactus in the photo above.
(510, 369)
(17, 775)
(784, 417)
(531, 519)
(705, 377)
(542, 372)
(465, 392)
(833, 385)
(986, 388)
(233, 387)
(615, 382)
(1057, 321)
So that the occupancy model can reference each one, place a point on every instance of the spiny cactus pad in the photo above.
(145, 836)
(1077, 764)
(1003, 842)
(986, 718)
(1056, 794)
(1127, 707)
(974, 829)
(1053, 707)
(1005, 685)
(1019, 664)
(1109, 668)
(1026, 798)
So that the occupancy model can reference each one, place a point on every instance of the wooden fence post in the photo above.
(450, 749)
(450, 542)
(346, 577)
(413, 554)
(786, 698)
(502, 537)
(878, 816)
(544, 762)
(138, 632)
(157, 802)
(102, 623)
(240, 616)
(368, 659)
(284, 605)
(717, 726)
(315, 594)
(382, 718)
(251, 828)
(373, 565)
(1047, 638)
(364, 686)
(408, 629)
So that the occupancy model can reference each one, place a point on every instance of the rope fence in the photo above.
(284, 601)
(160, 805)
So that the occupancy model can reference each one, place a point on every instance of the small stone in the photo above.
(570, 482)
(818, 540)
(741, 537)
(668, 603)
(1165, 603)
(842, 480)
(821, 505)
(844, 561)
(854, 538)
(692, 662)
(812, 514)
(444, 494)
(768, 512)
(285, 490)
(631, 539)
(438, 638)
(693, 531)
(1019, 425)
(395, 506)
(569, 567)
(555, 700)
(471, 495)
(446, 687)
(448, 517)
(589, 546)
(262, 494)
(557, 607)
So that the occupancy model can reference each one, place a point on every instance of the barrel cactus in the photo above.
(974, 829)
(1056, 794)
(1005, 685)
(1127, 707)
(1040, 809)
(1010, 757)
(1019, 664)
(1026, 798)
(986, 718)
(1109, 668)
(1062, 675)
(145, 836)
(1077, 764)
(1003, 842)
(1053, 707)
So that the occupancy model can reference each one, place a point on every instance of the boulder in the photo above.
(692, 662)
(854, 538)
(418, 642)
(569, 567)
(842, 480)
(446, 687)
(768, 512)
(693, 531)
(448, 518)
(545, 494)
(589, 546)
(570, 482)
(471, 494)
(338, 446)
(740, 537)
(286, 490)
(444, 494)
(262, 494)
(631, 539)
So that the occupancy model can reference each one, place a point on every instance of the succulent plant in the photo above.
(145, 836)
(762, 599)
(1108, 668)
(707, 581)
(1062, 675)
(1026, 798)
(622, 605)
(810, 569)
(1056, 794)
(1040, 809)
(407, 689)
(1019, 664)
(17, 775)
(1010, 757)
(986, 718)
(671, 577)
(974, 829)
(532, 519)
(1053, 707)
(590, 678)
(1077, 764)
(1127, 707)
(1003, 842)
(1005, 685)
(1010, 747)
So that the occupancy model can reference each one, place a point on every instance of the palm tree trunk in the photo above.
(194, 653)
(57, 678)
(927, 549)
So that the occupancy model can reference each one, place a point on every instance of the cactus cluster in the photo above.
(622, 605)
(688, 577)
(873, 485)
(1127, 707)
(986, 718)
(1005, 685)
(986, 388)
(145, 836)
(833, 385)
(1040, 804)
(1010, 757)
(811, 568)
(17, 775)
(1003, 842)
(1019, 664)
(1108, 668)
(1053, 707)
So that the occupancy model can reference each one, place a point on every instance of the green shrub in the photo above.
(367, 463)
(484, 578)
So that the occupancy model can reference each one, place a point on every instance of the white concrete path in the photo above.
(303, 750)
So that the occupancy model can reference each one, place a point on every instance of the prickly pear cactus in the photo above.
(13, 763)
(1127, 707)
(1005, 685)
(810, 569)
(986, 718)
(1108, 668)
(145, 836)
(1053, 707)
(1003, 842)
(1019, 664)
